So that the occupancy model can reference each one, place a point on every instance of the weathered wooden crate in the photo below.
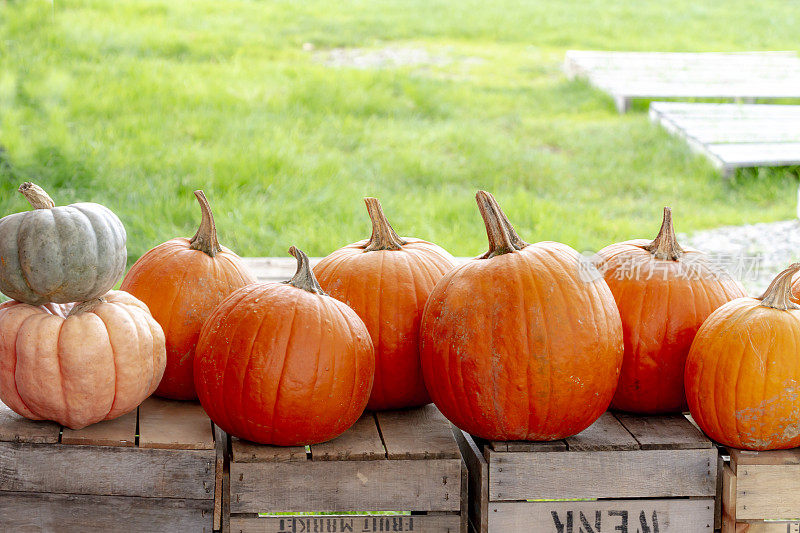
(156, 469)
(405, 461)
(761, 492)
(624, 473)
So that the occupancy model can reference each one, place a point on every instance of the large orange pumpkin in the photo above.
(521, 343)
(283, 363)
(743, 370)
(664, 293)
(386, 279)
(79, 364)
(181, 281)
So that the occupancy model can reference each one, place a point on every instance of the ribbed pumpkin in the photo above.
(182, 281)
(518, 344)
(60, 254)
(664, 293)
(80, 364)
(386, 279)
(743, 370)
(284, 364)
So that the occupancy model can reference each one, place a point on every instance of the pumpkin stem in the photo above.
(778, 294)
(665, 246)
(304, 277)
(383, 235)
(205, 239)
(85, 307)
(503, 238)
(37, 197)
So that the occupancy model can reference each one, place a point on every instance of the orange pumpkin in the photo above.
(743, 370)
(386, 279)
(181, 281)
(79, 364)
(518, 344)
(664, 293)
(282, 363)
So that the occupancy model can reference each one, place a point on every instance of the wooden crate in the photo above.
(155, 469)
(624, 473)
(389, 461)
(761, 492)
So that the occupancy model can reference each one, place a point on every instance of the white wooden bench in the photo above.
(735, 135)
(742, 76)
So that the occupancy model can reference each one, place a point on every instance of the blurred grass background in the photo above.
(136, 103)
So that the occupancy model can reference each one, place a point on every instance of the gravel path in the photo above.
(752, 253)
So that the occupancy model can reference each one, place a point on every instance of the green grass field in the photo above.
(136, 103)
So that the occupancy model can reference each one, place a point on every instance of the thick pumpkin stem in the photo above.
(665, 246)
(85, 307)
(383, 235)
(304, 277)
(37, 197)
(205, 239)
(503, 238)
(778, 294)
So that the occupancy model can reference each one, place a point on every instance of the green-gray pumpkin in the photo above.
(60, 254)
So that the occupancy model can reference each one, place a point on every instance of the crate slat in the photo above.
(602, 474)
(118, 432)
(478, 478)
(767, 491)
(528, 446)
(28, 511)
(422, 433)
(664, 432)
(16, 428)
(665, 516)
(607, 433)
(244, 451)
(175, 425)
(773, 457)
(330, 486)
(432, 523)
(361, 442)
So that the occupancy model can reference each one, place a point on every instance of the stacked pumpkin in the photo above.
(71, 349)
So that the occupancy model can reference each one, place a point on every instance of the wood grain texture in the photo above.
(432, 485)
(607, 433)
(665, 432)
(105, 470)
(244, 451)
(434, 523)
(528, 446)
(25, 511)
(174, 425)
(767, 491)
(361, 442)
(664, 516)
(16, 428)
(221, 442)
(728, 500)
(118, 432)
(792, 526)
(478, 480)
(602, 474)
(772, 457)
(422, 433)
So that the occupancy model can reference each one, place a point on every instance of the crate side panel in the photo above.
(436, 523)
(767, 492)
(478, 471)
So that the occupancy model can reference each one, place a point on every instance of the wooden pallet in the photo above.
(405, 461)
(155, 469)
(761, 492)
(624, 472)
(742, 76)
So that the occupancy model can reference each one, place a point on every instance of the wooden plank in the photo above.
(330, 486)
(464, 498)
(118, 432)
(666, 432)
(28, 511)
(529, 446)
(757, 154)
(478, 480)
(221, 441)
(174, 425)
(728, 498)
(767, 491)
(107, 470)
(361, 442)
(244, 451)
(607, 433)
(772, 457)
(434, 523)
(422, 433)
(16, 428)
(663, 515)
(602, 474)
(792, 526)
